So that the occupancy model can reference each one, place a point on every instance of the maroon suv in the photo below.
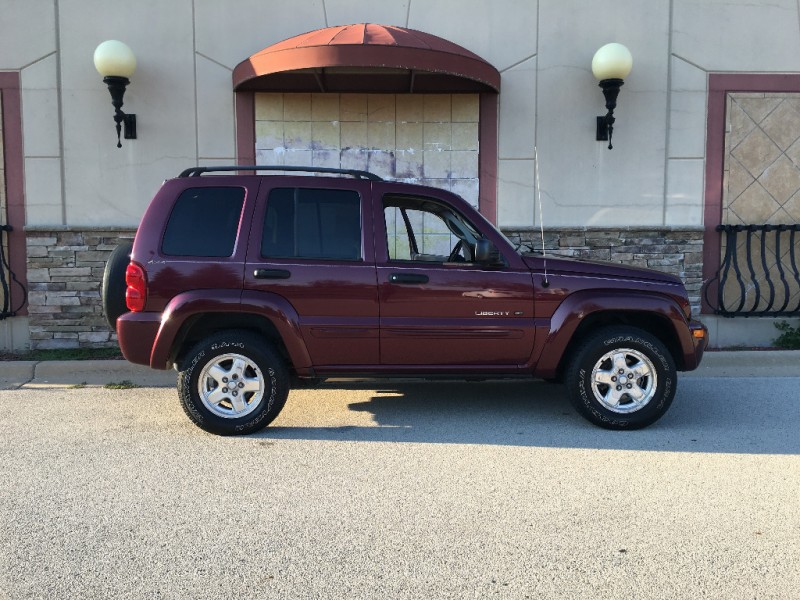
(245, 283)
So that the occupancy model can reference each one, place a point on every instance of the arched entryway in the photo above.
(404, 104)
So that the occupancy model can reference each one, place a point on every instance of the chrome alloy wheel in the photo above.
(231, 386)
(624, 380)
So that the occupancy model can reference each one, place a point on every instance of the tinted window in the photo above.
(204, 222)
(312, 223)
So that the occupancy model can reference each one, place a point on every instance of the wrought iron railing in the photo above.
(7, 276)
(759, 273)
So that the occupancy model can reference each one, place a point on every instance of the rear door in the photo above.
(309, 246)
(439, 307)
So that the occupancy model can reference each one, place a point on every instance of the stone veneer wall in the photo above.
(65, 270)
(65, 273)
(678, 251)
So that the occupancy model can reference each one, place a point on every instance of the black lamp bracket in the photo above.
(605, 124)
(116, 87)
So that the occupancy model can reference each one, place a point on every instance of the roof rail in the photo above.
(198, 171)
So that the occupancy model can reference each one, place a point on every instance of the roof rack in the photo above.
(198, 171)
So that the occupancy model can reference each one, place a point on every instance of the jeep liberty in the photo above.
(249, 282)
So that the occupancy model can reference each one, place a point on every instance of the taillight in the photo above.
(136, 294)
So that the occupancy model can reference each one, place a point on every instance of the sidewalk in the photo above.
(14, 374)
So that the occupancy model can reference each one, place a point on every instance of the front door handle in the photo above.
(272, 274)
(408, 278)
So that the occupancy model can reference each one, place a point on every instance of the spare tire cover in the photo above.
(114, 285)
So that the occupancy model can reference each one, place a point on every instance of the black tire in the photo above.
(213, 407)
(621, 378)
(114, 286)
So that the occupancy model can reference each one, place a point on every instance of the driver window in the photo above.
(425, 231)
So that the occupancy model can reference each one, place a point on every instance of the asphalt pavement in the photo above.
(364, 489)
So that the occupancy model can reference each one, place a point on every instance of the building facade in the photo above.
(706, 133)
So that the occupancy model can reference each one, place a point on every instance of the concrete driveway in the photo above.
(403, 490)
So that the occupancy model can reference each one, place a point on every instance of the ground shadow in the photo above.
(728, 415)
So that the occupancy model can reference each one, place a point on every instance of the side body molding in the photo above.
(556, 335)
(196, 302)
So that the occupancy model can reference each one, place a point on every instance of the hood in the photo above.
(576, 266)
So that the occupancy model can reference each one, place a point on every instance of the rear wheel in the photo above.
(621, 378)
(233, 383)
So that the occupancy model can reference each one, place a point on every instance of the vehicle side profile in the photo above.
(249, 283)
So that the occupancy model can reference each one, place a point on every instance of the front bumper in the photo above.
(699, 334)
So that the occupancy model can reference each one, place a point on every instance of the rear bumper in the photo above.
(137, 334)
(699, 335)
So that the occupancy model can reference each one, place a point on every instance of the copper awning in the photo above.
(366, 58)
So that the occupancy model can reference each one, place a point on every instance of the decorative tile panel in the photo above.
(762, 158)
(761, 187)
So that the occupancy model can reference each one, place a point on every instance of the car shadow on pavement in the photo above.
(722, 415)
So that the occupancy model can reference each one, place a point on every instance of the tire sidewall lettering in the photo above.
(273, 375)
(583, 394)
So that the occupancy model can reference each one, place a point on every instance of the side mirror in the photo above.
(486, 252)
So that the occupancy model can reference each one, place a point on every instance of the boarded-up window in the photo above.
(429, 139)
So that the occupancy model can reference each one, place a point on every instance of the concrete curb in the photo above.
(748, 363)
(15, 374)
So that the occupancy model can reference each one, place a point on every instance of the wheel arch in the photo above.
(582, 313)
(199, 326)
(191, 316)
(657, 325)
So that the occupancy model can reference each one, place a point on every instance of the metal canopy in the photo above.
(366, 58)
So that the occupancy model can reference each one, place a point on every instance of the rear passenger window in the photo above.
(312, 223)
(204, 222)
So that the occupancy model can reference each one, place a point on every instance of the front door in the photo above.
(438, 305)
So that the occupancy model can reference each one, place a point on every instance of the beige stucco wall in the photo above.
(182, 95)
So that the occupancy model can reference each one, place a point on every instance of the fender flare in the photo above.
(273, 307)
(578, 306)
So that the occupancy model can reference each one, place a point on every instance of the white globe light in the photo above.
(612, 61)
(112, 58)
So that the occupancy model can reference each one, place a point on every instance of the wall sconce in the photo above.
(610, 65)
(116, 63)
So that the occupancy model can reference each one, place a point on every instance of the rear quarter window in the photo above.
(204, 222)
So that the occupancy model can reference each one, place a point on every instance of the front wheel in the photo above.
(621, 378)
(233, 383)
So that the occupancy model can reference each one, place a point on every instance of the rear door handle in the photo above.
(408, 278)
(272, 274)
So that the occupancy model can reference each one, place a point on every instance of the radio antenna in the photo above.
(545, 282)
